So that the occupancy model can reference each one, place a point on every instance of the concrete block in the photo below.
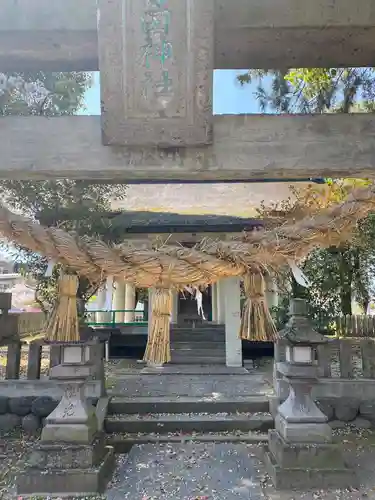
(307, 455)
(304, 432)
(68, 433)
(300, 478)
(54, 456)
(69, 482)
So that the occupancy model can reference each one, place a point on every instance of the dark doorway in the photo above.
(188, 310)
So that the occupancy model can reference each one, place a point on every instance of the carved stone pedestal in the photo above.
(71, 458)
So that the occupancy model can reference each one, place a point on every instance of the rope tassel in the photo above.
(256, 321)
(62, 325)
(158, 349)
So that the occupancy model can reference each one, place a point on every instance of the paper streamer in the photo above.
(299, 275)
(50, 267)
(199, 299)
(109, 294)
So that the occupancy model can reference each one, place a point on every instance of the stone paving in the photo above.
(209, 471)
(132, 381)
(188, 472)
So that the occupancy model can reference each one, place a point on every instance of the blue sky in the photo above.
(229, 96)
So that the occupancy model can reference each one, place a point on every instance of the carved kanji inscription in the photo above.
(156, 65)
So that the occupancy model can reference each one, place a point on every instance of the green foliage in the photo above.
(72, 205)
(337, 275)
(314, 90)
(39, 93)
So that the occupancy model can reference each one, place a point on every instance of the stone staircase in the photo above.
(203, 344)
(156, 420)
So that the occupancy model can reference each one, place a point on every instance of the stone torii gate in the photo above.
(156, 60)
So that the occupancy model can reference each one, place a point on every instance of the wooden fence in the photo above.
(15, 330)
(355, 326)
(28, 360)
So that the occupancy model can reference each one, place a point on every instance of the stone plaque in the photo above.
(156, 67)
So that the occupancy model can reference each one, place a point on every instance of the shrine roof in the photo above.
(165, 222)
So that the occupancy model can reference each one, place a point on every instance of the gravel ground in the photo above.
(209, 471)
(12, 452)
(204, 471)
(187, 472)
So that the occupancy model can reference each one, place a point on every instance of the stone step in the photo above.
(198, 334)
(183, 331)
(196, 342)
(206, 354)
(164, 423)
(146, 405)
(193, 370)
(198, 346)
(122, 443)
(203, 360)
(198, 353)
(202, 328)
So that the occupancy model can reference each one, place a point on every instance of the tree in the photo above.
(73, 205)
(315, 90)
(336, 274)
(39, 93)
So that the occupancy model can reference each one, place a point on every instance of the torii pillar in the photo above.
(156, 67)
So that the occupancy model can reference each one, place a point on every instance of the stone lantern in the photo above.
(71, 459)
(301, 372)
(300, 450)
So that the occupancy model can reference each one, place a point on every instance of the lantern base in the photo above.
(304, 431)
(67, 481)
(301, 466)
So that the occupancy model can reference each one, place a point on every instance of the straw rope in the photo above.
(174, 266)
(256, 321)
(158, 349)
(63, 325)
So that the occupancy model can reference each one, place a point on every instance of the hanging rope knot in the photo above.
(68, 295)
(257, 296)
(158, 349)
(62, 325)
(256, 321)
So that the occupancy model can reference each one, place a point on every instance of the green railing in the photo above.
(116, 317)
